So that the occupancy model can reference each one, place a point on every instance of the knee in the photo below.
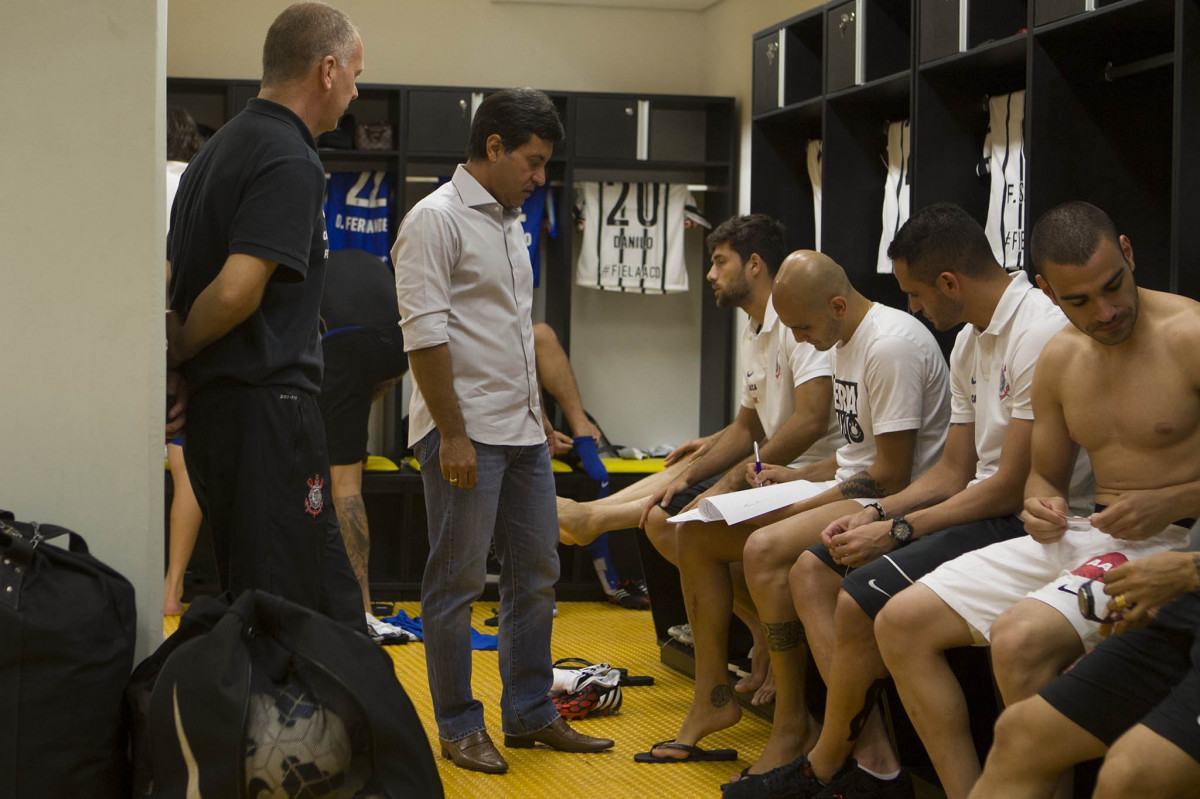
(1125, 773)
(763, 555)
(663, 536)
(1024, 654)
(1018, 738)
(851, 619)
(902, 618)
(806, 580)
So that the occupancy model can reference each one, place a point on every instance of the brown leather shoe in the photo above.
(558, 735)
(475, 752)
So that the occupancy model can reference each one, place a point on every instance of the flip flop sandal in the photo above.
(694, 754)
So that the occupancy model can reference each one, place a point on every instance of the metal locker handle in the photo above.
(462, 106)
(846, 19)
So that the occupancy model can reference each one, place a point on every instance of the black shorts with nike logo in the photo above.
(880, 580)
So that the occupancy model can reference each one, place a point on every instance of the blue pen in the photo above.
(757, 460)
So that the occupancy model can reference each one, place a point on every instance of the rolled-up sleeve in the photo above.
(426, 249)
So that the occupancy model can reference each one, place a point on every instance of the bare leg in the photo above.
(1031, 644)
(1143, 763)
(554, 373)
(346, 483)
(581, 523)
(703, 556)
(185, 526)
(1034, 743)
(769, 555)
(761, 679)
(913, 631)
(664, 535)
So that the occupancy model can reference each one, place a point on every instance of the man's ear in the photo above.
(838, 305)
(325, 70)
(494, 147)
(1127, 251)
(949, 284)
(1045, 287)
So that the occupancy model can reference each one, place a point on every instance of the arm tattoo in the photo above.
(352, 518)
(861, 485)
(721, 695)
(783, 636)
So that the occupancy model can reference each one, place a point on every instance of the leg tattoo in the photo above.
(352, 518)
(721, 695)
(783, 636)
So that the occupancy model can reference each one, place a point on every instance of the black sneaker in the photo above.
(792, 781)
(630, 594)
(851, 782)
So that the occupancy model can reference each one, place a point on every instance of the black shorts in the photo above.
(681, 500)
(256, 459)
(357, 361)
(873, 585)
(1148, 676)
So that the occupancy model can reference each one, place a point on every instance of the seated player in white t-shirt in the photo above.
(1123, 384)
(892, 403)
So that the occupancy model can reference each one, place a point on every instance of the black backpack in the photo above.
(265, 695)
(67, 636)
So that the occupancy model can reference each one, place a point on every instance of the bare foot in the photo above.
(760, 671)
(573, 523)
(782, 748)
(717, 711)
(765, 694)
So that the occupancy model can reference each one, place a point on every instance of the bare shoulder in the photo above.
(1061, 348)
(1176, 318)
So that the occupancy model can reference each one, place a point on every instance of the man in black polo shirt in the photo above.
(247, 246)
(364, 356)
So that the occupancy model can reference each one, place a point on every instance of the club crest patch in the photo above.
(315, 501)
(1005, 387)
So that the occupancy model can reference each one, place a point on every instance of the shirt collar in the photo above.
(284, 114)
(471, 191)
(1010, 301)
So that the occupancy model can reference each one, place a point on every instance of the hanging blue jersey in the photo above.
(538, 209)
(357, 205)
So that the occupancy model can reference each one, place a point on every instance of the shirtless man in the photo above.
(1123, 383)
(892, 402)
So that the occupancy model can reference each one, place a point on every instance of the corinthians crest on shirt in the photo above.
(315, 501)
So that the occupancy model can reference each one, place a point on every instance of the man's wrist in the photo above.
(878, 509)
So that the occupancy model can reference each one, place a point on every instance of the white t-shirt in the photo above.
(889, 376)
(633, 236)
(991, 371)
(895, 190)
(774, 365)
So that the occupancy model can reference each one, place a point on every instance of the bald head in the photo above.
(813, 296)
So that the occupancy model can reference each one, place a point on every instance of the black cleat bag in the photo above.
(267, 698)
(67, 635)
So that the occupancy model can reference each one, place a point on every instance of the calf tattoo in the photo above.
(862, 484)
(721, 695)
(783, 636)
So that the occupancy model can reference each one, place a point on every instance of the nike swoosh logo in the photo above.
(189, 760)
(871, 584)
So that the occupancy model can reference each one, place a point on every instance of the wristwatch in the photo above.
(902, 530)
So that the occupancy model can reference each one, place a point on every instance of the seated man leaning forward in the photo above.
(891, 400)
(1134, 699)
(1123, 383)
(969, 499)
(787, 397)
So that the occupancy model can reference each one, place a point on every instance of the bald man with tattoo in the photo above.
(891, 399)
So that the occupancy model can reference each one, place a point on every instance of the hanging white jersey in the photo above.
(633, 236)
(1004, 149)
(895, 190)
(814, 177)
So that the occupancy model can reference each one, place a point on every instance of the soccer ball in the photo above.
(296, 748)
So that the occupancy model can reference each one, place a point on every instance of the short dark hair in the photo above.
(301, 36)
(183, 137)
(516, 115)
(751, 234)
(943, 238)
(1069, 234)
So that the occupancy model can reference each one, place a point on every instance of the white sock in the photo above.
(891, 776)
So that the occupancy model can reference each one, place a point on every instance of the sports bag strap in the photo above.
(17, 558)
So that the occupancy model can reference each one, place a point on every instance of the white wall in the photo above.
(81, 280)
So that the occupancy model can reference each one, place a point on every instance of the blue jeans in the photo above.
(513, 499)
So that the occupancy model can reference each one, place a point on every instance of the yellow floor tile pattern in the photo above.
(597, 632)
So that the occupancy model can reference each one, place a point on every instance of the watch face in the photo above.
(901, 530)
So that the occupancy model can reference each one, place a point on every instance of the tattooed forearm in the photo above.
(783, 636)
(352, 518)
(721, 695)
(862, 485)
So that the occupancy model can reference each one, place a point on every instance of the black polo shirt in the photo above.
(255, 188)
(360, 291)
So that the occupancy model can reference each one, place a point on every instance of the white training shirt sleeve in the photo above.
(895, 382)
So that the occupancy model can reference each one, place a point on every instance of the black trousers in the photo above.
(257, 460)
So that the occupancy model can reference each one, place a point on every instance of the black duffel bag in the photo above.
(263, 696)
(67, 635)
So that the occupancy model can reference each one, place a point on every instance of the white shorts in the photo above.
(981, 585)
